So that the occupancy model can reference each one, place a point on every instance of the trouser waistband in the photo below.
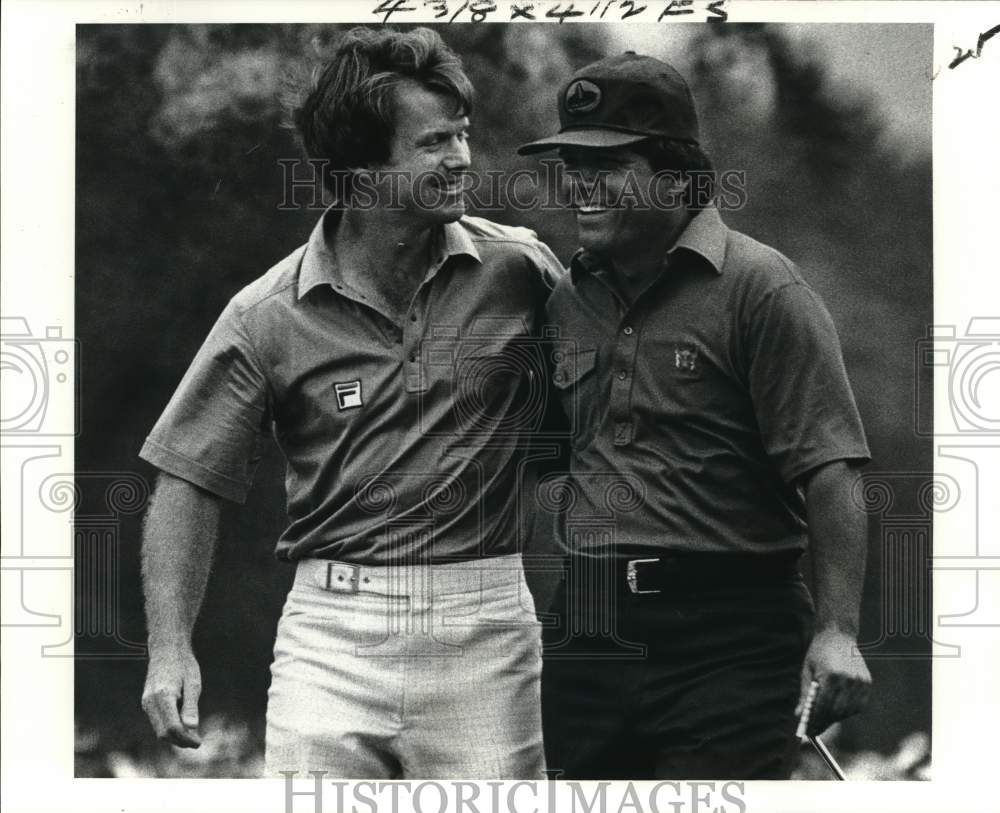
(405, 580)
(680, 571)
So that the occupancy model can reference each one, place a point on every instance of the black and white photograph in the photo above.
(456, 396)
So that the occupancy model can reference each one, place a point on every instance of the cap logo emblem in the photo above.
(582, 97)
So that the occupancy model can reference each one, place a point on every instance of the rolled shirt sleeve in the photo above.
(210, 432)
(801, 394)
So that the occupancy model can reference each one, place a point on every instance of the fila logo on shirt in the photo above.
(348, 395)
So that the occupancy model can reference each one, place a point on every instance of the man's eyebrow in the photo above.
(439, 130)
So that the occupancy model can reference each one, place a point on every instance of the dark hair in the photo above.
(669, 155)
(344, 114)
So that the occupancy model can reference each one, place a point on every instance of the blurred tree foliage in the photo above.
(179, 133)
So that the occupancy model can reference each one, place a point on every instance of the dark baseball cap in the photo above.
(622, 100)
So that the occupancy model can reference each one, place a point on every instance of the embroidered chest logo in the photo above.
(686, 357)
(348, 395)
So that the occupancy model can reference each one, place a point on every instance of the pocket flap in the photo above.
(572, 367)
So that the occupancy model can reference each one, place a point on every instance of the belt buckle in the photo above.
(348, 573)
(632, 576)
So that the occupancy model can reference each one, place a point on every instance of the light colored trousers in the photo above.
(427, 671)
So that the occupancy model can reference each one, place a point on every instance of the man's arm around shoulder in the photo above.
(838, 542)
(180, 535)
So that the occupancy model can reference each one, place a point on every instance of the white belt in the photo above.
(405, 580)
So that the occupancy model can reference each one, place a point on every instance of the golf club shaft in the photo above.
(822, 750)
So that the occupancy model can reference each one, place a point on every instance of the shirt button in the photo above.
(622, 375)
(413, 317)
(628, 331)
(413, 358)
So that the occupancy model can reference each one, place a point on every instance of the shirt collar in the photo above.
(455, 240)
(319, 265)
(705, 235)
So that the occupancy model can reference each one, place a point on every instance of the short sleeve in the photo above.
(210, 432)
(801, 395)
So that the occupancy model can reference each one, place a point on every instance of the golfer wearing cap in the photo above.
(707, 381)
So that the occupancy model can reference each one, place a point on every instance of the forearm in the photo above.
(180, 535)
(838, 543)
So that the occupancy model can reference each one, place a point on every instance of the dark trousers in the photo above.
(699, 681)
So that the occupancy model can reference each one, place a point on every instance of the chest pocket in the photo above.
(683, 379)
(574, 379)
(571, 366)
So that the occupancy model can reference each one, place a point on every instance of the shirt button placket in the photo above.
(411, 351)
(410, 336)
(620, 392)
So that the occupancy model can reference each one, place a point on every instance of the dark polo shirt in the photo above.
(402, 440)
(697, 409)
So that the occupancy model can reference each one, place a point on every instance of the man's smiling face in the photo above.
(619, 201)
(430, 153)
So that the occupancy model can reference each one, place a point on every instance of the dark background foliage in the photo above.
(178, 183)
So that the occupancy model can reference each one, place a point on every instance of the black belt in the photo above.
(694, 571)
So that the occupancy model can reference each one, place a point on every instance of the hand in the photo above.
(170, 698)
(844, 680)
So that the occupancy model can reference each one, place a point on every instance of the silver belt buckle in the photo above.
(632, 576)
(342, 577)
